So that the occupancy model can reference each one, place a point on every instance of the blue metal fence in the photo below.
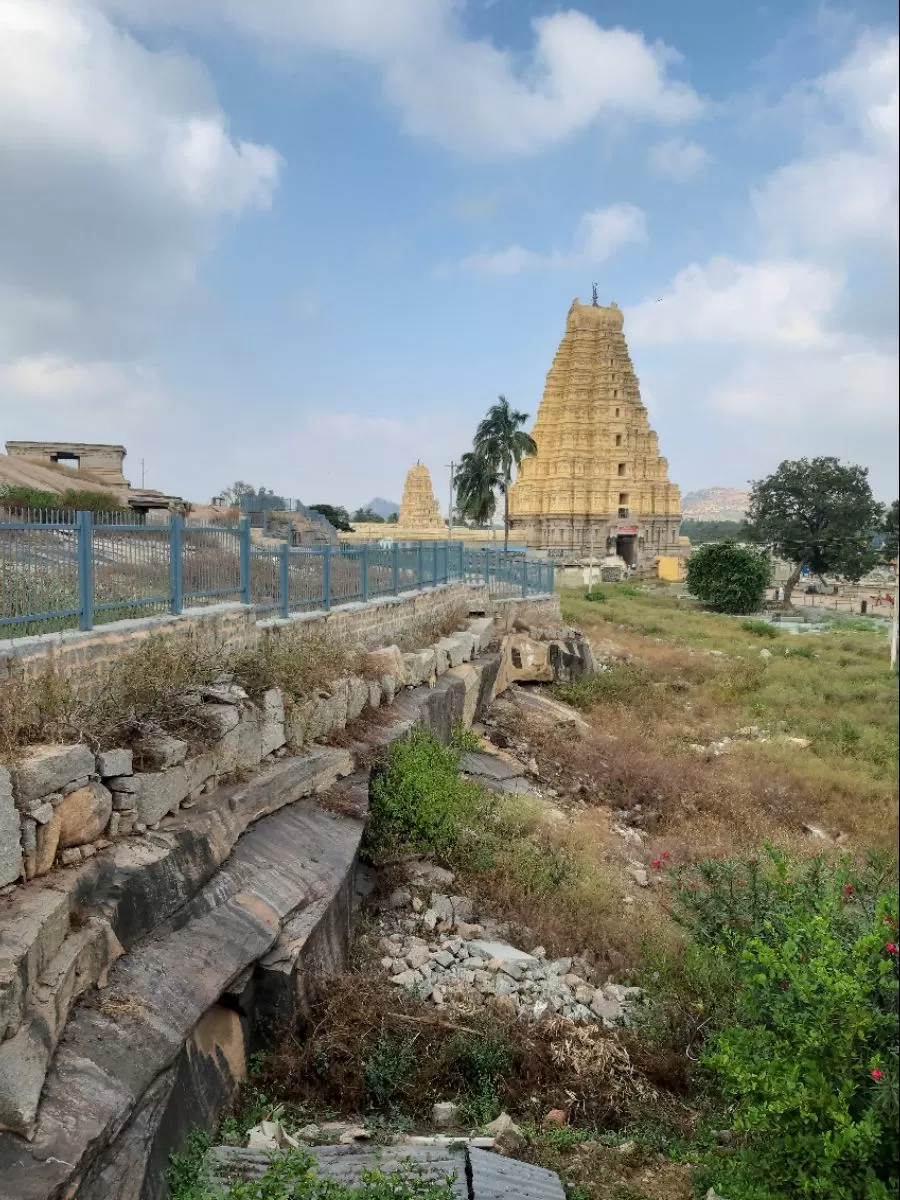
(76, 570)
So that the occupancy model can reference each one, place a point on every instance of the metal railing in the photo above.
(67, 570)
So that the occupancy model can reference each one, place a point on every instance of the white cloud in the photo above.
(117, 165)
(776, 303)
(678, 159)
(843, 193)
(832, 389)
(466, 94)
(599, 235)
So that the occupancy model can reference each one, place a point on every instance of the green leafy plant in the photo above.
(597, 596)
(808, 1062)
(387, 1069)
(418, 800)
(727, 577)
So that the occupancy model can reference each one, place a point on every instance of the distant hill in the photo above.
(715, 504)
(384, 508)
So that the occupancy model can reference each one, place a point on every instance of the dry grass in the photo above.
(371, 1049)
(834, 688)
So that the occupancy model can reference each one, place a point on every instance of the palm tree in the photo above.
(476, 482)
(500, 441)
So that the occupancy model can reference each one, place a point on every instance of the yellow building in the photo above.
(597, 483)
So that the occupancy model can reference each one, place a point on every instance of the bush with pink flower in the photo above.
(806, 1058)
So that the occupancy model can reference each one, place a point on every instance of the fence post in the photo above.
(364, 574)
(421, 565)
(487, 567)
(434, 564)
(462, 561)
(176, 567)
(552, 580)
(326, 577)
(395, 569)
(524, 576)
(244, 540)
(284, 575)
(84, 525)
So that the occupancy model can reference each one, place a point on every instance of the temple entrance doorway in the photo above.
(626, 548)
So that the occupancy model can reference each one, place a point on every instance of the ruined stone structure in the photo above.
(597, 482)
(418, 508)
(104, 462)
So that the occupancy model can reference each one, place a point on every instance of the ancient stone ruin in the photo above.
(597, 482)
(105, 463)
(418, 508)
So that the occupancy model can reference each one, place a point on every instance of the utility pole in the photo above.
(894, 622)
(142, 474)
(450, 513)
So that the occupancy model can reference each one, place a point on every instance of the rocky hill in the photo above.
(384, 508)
(715, 504)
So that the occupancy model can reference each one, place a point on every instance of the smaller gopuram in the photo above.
(418, 507)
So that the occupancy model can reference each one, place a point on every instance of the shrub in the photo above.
(597, 596)
(418, 801)
(728, 577)
(15, 497)
(618, 683)
(808, 1064)
(84, 500)
(760, 629)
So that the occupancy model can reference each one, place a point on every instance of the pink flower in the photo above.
(848, 889)
(656, 864)
(876, 1074)
(665, 856)
(890, 948)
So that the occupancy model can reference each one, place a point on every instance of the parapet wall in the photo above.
(86, 659)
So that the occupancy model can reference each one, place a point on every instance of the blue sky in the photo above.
(306, 242)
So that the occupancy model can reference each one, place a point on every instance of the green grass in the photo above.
(834, 687)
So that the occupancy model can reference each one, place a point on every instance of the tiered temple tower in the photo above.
(597, 482)
(418, 507)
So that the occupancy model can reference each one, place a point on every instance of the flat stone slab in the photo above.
(478, 1174)
(489, 765)
(502, 951)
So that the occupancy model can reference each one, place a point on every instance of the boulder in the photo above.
(272, 732)
(46, 769)
(221, 718)
(159, 751)
(158, 793)
(419, 666)
(46, 841)
(115, 762)
(83, 815)
(357, 696)
(454, 647)
(11, 866)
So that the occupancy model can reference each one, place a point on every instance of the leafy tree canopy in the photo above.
(817, 513)
(368, 515)
(728, 577)
(337, 515)
(500, 444)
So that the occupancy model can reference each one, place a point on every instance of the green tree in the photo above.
(338, 516)
(476, 482)
(817, 513)
(728, 577)
(393, 519)
(368, 515)
(501, 442)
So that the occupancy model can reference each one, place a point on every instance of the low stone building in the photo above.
(104, 462)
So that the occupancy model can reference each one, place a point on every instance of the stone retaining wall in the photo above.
(86, 659)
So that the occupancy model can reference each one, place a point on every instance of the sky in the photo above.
(305, 243)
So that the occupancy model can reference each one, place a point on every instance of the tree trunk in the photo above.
(506, 513)
(792, 580)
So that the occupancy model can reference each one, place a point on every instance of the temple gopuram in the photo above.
(418, 507)
(597, 485)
